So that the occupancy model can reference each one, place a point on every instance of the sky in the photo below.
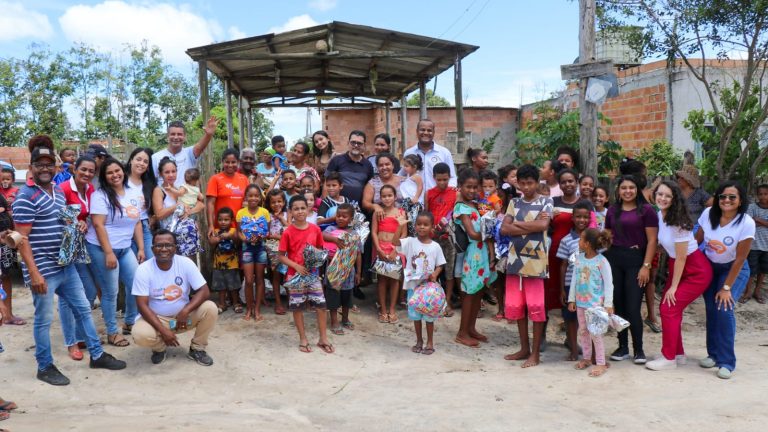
(522, 43)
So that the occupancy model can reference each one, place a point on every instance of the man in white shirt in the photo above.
(162, 287)
(185, 157)
(431, 154)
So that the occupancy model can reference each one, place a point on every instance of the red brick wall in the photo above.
(639, 117)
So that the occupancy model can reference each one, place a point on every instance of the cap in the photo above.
(42, 152)
(97, 150)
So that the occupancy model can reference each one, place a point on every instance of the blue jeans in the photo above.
(71, 333)
(147, 240)
(721, 323)
(66, 284)
(109, 282)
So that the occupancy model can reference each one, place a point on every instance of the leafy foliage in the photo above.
(661, 159)
(433, 100)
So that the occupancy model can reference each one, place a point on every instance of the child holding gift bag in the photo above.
(591, 285)
(252, 228)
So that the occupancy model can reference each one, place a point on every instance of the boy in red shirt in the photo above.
(299, 234)
(440, 201)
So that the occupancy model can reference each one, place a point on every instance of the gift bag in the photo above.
(361, 226)
(428, 299)
(618, 323)
(487, 225)
(343, 262)
(314, 258)
(73, 241)
(412, 210)
(597, 320)
(390, 269)
(254, 228)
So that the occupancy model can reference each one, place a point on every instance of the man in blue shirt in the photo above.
(354, 168)
(36, 216)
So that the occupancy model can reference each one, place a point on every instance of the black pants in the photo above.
(627, 294)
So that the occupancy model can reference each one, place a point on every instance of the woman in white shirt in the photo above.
(691, 274)
(115, 217)
(727, 231)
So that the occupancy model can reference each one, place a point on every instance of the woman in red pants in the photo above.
(691, 272)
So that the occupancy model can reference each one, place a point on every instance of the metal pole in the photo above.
(587, 110)
(228, 104)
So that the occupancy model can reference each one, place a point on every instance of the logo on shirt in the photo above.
(729, 241)
(236, 192)
(178, 280)
(133, 212)
(172, 292)
(717, 246)
(434, 159)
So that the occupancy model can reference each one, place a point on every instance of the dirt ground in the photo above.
(373, 382)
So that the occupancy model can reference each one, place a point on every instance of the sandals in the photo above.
(428, 351)
(326, 347)
(383, 318)
(339, 331)
(114, 341)
(305, 348)
(499, 317)
(392, 318)
(348, 325)
(17, 321)
(759, 299)
(653, 326)
(127, 329)
(238, 308)
(279, 310)
(7, 405)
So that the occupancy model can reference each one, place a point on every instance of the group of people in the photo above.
(529, 239)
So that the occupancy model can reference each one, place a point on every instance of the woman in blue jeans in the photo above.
(115, 217)
(142, 177)
(727, 232)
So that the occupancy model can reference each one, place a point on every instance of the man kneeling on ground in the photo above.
(162, 288)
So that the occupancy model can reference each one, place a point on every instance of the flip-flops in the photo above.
(7, 405)
(16, 321)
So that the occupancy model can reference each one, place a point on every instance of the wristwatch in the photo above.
(647, 265)
(727, 288)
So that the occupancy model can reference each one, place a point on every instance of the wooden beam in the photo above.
(403, 126)
(314, 104)
(588, 110)
(241, 106)
(387, 119)
(329, 55)
(587, 68)
(206, 161)
(457, 89)
(228, 105)
(249, 113)
(423, 99)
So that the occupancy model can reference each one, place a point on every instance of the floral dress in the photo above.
(476, 268)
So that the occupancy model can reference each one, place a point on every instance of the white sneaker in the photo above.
(681, 360)
(661, 364)
(707, 363)
(724, 373)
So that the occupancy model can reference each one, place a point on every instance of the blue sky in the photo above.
(522, 43)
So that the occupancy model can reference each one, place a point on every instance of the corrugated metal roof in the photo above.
(330, 60)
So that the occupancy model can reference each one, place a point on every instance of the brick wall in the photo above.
(639, 117)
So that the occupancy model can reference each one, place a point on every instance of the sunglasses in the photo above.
(729, 197)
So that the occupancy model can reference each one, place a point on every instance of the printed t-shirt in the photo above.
(168, 291)
(489, 203)
(143, 205)
(528, 253)
(631, 233)
(185, 159)
(120, 227)
(669, 235)
(225, 254)
(229, 191)
(421, 260)
(761, 232)
(35, 207)
(295, 239)
(592, 282)
(328, 206)
(722, 241)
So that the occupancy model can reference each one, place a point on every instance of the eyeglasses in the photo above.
(356, 143)
(729, 197)
(161, 246)
(44, 166)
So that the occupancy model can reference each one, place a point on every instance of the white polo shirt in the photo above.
(432, 157)
(185, 159)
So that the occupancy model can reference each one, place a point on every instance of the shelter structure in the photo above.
(330, 65)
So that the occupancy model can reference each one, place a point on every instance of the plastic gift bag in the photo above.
(301, 282)
(487, 225)
(171, 222)
(343, 262)
(73, 241)
(428, 299)
(390, 269)
(597, 320)
(314, 258)
(254, 228)
(618, 323)
(361, 226)
(412, 210)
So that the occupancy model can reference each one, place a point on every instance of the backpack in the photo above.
(459, 237)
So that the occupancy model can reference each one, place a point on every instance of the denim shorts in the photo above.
(254, 254)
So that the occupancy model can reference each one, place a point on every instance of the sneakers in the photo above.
(106, 361)
(661, 363)
(52, 376)
(724, 373)
(707, 363)
(621, 353)
(200, 357)
(158, 357)
(681, 360)
(639, 357)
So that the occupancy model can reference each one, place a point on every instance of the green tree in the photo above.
(661, 159)
(433, 100)
(689, 34)
(46, 84)
(12, 118)
(84, 67)
(262, 129)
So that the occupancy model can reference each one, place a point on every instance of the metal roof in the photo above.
(338, 60)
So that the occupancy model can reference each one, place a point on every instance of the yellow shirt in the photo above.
(244, 213)
(225, 254)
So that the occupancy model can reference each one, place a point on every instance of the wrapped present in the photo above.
(618, 323)
(273, 255)
(487, 225)
(428, 299)
(390, 269)
(254, 228)
(501, 242)
(301, 282)
(314, 258)
(361, 226)
(171, 222)
(343, 262)
(597, 320)
(73, 241)
(412, 210)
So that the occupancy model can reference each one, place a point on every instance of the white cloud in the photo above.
(17, 22)
(323, 5)
(294, 23)
(526, 86)
(292, 122)
(235, 33)
(111, 24)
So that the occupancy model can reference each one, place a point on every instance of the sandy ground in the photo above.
(375, 383)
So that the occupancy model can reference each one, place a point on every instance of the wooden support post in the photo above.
(243, 125)
(206, 163)
(422, 99)
(458, 96)
(387, 119)
(228, 105)
(249, 113)
(588, 110)
(403, 126)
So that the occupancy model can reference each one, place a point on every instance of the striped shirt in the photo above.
(569, 245)
(761, 232)
(35, 207)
